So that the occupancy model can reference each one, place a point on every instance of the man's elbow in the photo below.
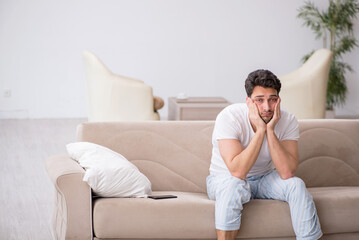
(238, 174)
(286, 175)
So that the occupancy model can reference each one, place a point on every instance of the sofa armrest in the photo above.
(73, 200)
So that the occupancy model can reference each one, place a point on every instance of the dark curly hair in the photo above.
(263, 78)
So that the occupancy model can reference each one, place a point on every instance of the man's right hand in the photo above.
(254, 117)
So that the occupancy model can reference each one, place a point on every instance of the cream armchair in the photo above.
(304, 90)
(112, 97)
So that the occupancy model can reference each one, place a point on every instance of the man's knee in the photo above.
(228, 187)
(296, 183)
(233, 192)
(236, 185)
(296, 188)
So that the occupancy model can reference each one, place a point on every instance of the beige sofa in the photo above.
(175, 156)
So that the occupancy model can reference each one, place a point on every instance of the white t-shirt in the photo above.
(233, 123)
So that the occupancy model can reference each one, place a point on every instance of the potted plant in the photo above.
(335, 26)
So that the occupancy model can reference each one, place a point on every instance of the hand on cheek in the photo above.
(254, 116)
(276, 115)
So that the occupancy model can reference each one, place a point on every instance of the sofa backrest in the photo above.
(329, 152)
(175, 155)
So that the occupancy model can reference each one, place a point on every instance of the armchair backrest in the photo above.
(112, 97)
(304, 90)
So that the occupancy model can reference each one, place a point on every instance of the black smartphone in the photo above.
(162, 196)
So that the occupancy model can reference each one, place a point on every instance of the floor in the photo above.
(26, 192)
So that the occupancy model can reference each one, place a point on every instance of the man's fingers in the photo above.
(248, 102)
(254, 107)
(251, 104)
(278, 106)
(278, 102)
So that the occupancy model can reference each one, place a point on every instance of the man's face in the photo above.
(265, 99)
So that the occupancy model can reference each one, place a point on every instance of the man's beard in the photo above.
(266, 119)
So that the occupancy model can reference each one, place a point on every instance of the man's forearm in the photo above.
(285, 163)
(243, 162)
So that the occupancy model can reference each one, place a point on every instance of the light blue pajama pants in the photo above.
(230, 193)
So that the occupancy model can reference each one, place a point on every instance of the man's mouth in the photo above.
(266, 114)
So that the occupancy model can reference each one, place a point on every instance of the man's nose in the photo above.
(265, 105)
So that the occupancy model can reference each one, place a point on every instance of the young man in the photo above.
(255, 155)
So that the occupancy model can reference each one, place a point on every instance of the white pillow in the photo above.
(108, 173)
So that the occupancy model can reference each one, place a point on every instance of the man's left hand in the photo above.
(276, 116)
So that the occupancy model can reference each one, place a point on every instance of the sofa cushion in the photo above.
(191, 215)
(337, 208)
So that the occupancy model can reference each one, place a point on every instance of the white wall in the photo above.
(201, 47)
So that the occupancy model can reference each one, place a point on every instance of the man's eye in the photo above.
(273, 99)
(259, 100)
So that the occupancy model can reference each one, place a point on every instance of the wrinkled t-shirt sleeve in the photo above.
(292, 130)
(226, 127)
